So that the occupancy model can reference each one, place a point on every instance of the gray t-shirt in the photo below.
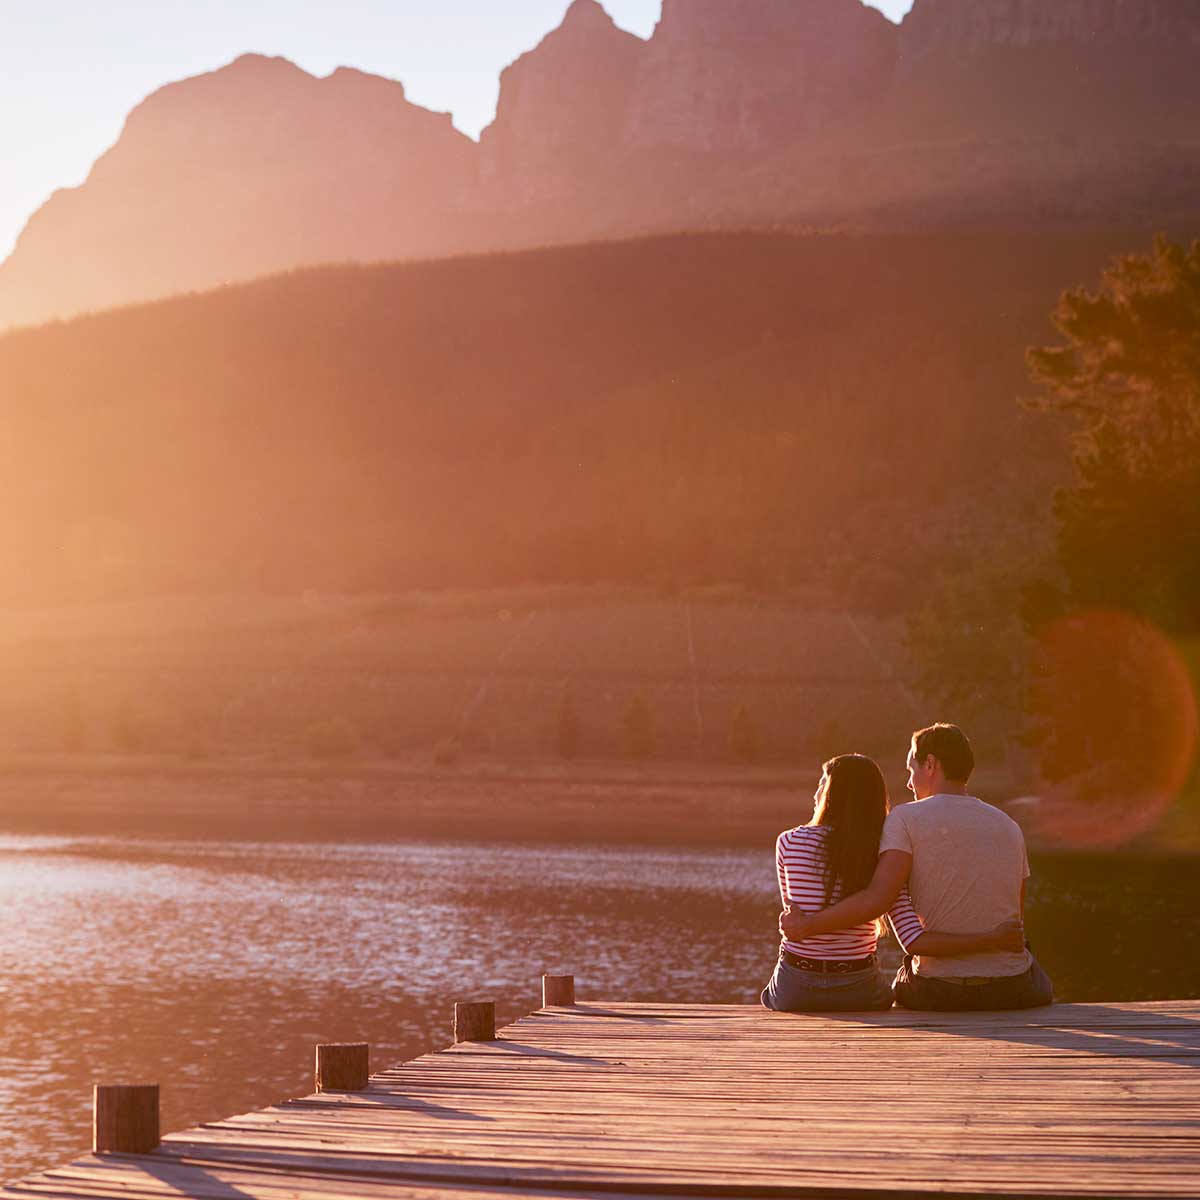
(969, 862)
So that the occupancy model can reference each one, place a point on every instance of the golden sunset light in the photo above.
(600, 597)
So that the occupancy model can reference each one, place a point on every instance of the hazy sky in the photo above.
(70, 70)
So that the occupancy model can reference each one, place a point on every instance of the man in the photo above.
(965, 866)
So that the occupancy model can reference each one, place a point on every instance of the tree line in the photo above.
(662, 412)
(1079, 640)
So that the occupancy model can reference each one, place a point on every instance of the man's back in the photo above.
(969, 863)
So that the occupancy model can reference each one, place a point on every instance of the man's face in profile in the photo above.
(920, 775)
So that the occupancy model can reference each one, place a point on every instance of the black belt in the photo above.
(825, 965)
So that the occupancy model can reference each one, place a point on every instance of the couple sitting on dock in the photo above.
(946, 862)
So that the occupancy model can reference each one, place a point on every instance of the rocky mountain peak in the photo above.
(248, 169)
(740, 23)
(563, 104)
(245, 75)
(746, 75)
(586, 16)
(353, 81)
(735, 113)
(265, 68)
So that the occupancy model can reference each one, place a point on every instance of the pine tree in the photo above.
(1128, 374)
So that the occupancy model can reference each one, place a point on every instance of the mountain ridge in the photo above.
(992, 114)
(542, 137)
(213, 179)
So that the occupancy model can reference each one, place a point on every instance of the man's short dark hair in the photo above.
(949, 745)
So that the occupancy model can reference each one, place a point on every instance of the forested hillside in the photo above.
(774, 410)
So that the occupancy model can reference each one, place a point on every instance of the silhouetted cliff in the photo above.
(973, 114)
(737, 76)
(563, 108)
(251, 169)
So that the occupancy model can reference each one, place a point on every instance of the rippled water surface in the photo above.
(213, 968)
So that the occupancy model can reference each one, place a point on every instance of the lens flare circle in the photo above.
(1115, 720)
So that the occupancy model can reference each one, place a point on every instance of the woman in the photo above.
(833, 856)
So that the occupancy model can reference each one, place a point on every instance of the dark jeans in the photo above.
(925, 993)
(792, 989)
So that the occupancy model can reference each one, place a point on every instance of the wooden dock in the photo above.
(641, 1100)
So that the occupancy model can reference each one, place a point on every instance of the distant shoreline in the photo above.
(702, 806)
(385, 800)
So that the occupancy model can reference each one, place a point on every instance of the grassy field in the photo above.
(197, 715)
(440, 715)
(486, 670)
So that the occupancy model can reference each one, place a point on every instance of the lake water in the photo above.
(213, 968)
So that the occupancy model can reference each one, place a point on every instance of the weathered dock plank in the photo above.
(651, 1100)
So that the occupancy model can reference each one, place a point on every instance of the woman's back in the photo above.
(834, 855)
(800, 861)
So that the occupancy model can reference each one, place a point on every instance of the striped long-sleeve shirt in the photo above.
(800, 863)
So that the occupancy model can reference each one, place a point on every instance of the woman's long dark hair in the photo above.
(851, 804)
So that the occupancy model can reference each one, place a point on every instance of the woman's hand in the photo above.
(793, 924)
(1010, 935)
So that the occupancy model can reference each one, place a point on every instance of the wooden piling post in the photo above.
(558, 991)
(125, 1118)
(475, 1022)
(342, 1067)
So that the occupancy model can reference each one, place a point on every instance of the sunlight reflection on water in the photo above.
(358, 913)
(214, 967)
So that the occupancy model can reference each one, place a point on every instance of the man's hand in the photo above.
(793, 924)
(1008, 936)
